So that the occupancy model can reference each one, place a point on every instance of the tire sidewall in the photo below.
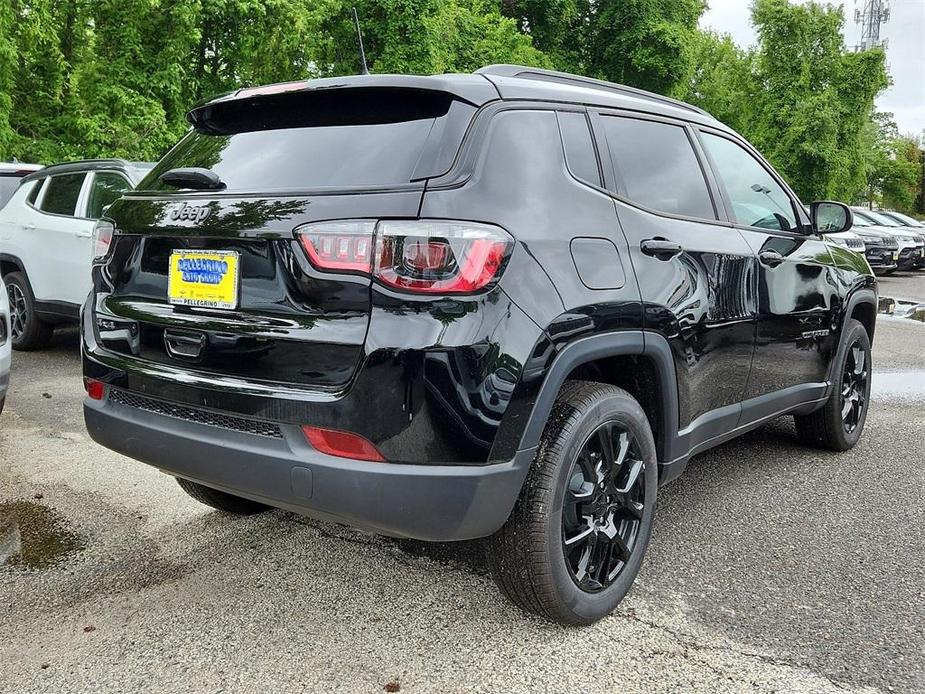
(854, 332)
(27, 339)
(589, 607)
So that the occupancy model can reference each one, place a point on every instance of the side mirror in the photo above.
(829, 217)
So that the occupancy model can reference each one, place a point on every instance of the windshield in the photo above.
(882, 220)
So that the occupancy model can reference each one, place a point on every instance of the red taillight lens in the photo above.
(102, 240)
(96, 390)
(339, 246)
(420, 256)
(343, 444)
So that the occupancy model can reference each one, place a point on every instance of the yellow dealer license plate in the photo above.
(203, 278)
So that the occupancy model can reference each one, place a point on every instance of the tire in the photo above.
(828, 426)
(229, 503)
(29, 331)
(528, 556)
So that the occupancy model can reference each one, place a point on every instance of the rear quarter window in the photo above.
(63, 191)
(580, 155)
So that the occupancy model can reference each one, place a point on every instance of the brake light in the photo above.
(420, 256)
(102, 239)
(96, 390)
(342, 444)
(339, 246)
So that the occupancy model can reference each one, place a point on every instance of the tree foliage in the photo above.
(93, 78)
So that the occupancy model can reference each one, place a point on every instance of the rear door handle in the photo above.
(28, 227)
(663, 249)
(771, 258)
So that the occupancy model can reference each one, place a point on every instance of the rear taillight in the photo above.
(102, 240)
(339, 246)
(421, 256)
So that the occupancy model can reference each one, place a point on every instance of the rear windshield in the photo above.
(8, 186)
(302, 140)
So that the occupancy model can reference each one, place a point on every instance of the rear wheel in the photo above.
(839, 423)
(575, 541)
(28, 331)
(229, 503)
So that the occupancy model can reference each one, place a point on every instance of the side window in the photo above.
(107, 187)
(63, 191)
(757, 199)
(34, 193)
(658, 167)
(579, 147)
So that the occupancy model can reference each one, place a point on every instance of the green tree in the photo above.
(722, 81)
(815, 97)
(643, 43)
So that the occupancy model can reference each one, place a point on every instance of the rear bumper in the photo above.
(425, 502)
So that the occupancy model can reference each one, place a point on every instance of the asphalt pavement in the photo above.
(772, 568)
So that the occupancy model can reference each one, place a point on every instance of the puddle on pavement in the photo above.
(34, 536)
(902, 308)
(906, 384)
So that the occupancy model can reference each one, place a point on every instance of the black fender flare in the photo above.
(623, 343)
(7, 258)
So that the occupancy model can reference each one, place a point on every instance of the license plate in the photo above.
(895, 256)
(203, 278)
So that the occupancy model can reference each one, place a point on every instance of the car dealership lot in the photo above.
(772, 568)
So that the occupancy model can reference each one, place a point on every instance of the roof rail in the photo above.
(535, 73)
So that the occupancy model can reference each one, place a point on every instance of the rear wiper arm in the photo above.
(193, 177)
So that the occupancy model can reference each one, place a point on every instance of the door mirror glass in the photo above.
(830, 217)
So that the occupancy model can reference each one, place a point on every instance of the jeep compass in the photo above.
(506, 305)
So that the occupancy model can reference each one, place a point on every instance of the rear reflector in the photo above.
(96, 390)
(342, 444)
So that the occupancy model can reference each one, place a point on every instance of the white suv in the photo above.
(4, 344)
(45, 241)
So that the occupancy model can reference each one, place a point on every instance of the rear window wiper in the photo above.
(193, 177)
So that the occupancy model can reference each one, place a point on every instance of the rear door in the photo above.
(58, 249)
(695, 272)
(287, 163)
(797, 289)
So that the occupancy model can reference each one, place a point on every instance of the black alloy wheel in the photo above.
(854, 386)
(603, 508)
(838, 424)
(18, 311)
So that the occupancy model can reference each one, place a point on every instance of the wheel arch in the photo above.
(10, 263)
(605, 358)
(862, 306)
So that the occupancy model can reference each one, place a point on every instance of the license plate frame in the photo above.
(210, 279)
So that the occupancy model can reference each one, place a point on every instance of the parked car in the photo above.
(11, 174)
(910, 246)
(880, 247)
(502, 305)
(915, 226)
(847, 239)
(901, 218)
(5, 344)
(46, 245)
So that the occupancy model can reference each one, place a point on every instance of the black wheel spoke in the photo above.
(854, 386)
(603, 507)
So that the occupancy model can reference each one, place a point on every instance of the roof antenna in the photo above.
(356, 21)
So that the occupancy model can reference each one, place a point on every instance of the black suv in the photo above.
(504, 305)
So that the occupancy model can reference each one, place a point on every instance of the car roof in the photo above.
(491, 83)
(135, 170)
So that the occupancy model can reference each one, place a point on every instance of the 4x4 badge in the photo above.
(192, 213)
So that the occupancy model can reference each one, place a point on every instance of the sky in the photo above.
(905, 52)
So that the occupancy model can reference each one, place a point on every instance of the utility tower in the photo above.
(870, 17)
